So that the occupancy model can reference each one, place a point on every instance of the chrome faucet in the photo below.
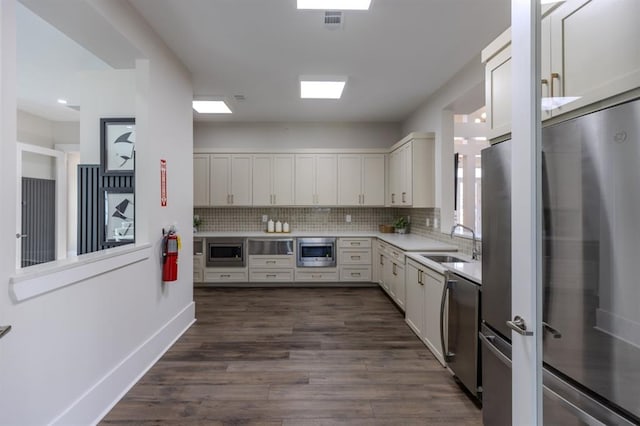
(475, 252)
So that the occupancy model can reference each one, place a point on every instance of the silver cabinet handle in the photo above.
(271, 275)
(355, 257)
(355, 274)
(4, 330)
(393, 198)
(394, 269)
(18, 236)
(355, 243)
(271, 262)
(381, 259)
(274, 199)
(231, 198)
(404, 194)
(555, 333)
(518, 325)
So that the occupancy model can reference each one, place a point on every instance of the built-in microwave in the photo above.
(316, 252)
(225, 252)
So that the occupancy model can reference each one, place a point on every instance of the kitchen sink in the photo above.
(443, 258)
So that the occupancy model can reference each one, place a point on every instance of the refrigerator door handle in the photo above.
(488, 341)
(555, 333)
(448, 356)
(519, 326)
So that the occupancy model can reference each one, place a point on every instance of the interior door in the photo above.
(41, 201)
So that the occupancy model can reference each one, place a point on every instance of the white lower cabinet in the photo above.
(271, 275)
(316, 274)
(414, 311)
(198, 265)
(354, 259)
(277, 268)
(390, 265)
(219, 275)
(424, 297)
(434, 283)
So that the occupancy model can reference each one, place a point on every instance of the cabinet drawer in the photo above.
(355, 274)
(396, 254)
(225, 276)
(197, 276)
(354, 242)
(310, 276)
(274, 275)
(198, 262)
(355, 257)
(271, 262)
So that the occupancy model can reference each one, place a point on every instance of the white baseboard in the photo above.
(620, 327)
(91, 407)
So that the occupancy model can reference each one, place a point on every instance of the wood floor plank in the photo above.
(296, 357)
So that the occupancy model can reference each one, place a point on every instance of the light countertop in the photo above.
(405, 242)
(472, 269)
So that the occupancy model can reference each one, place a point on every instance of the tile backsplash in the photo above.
(325, 219)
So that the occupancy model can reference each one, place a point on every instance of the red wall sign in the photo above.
(163, 183)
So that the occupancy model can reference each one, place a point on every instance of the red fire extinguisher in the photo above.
(170, 246)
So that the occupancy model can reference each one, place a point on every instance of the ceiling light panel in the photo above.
(321, 89)
(334, 4)
(211, 107)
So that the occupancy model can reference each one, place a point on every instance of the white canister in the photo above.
(285, 227)
(270, 226)
(278, 226)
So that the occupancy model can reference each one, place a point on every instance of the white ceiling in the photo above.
(48, 62)
(395, 55)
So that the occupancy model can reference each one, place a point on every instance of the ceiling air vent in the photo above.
(239, 98)
(333, 19)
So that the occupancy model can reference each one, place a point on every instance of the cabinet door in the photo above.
(373, 179)
(241, 180)
(305, 193)
(201, 180)
(400, 286)
(595, 50)
(326, 179)
(282, 173)
(395, 175)
(349, 180)
(406, 177)
(498, 93)
(262, 171)
(433, 288)
(220, 180)
(415, 299)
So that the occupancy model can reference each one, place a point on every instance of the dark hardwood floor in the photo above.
(303, 357)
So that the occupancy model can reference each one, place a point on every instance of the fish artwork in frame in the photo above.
(117, 142)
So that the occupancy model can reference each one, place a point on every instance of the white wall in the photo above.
(75, 350)
(104, 94)
(436, 115)
(283, 136)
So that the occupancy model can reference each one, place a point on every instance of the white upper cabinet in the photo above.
(316, 179)
(595, 50)
(361, 179)
(412, 172)
(273, 179)
(201, 180)
(589, 52)
(230, 180)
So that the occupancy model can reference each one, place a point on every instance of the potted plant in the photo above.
(401, 224)
(196, 222)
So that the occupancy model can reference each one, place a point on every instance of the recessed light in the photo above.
(62, 101)
(334, 4)
(321, 89)
(480, 138)
(477, 121)
(211, 107)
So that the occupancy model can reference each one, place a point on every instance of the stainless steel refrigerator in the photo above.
(591, 271)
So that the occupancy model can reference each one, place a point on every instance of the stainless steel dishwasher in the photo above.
(461, 349)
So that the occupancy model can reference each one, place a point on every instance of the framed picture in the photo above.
(119, 216)
(117, 143)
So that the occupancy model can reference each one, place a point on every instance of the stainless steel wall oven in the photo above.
(226, 252)
(316, 252)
